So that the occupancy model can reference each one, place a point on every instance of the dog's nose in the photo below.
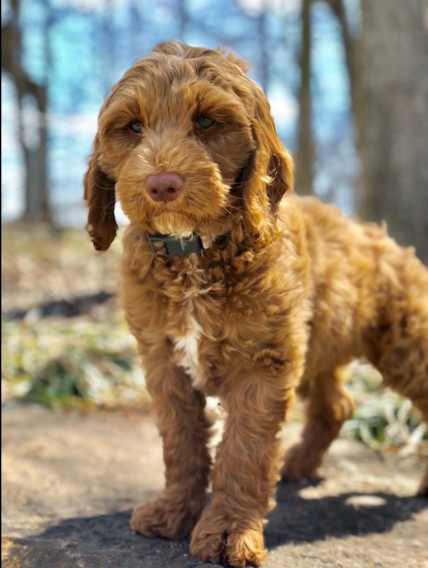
(164, 187)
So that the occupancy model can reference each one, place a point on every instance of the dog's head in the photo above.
(187, 141)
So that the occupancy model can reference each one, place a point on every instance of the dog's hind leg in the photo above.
(402, 359)
(328, 405)
(416, 389)
(419, 399)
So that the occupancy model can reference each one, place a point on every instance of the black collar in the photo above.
(165, 245)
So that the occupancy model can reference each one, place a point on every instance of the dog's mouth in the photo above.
(202, 209)
(172, 223)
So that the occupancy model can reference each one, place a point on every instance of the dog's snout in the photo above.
(164, 187)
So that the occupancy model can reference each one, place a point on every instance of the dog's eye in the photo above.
(136, 127)
(205, 121)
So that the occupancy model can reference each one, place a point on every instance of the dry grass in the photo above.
(89, 359)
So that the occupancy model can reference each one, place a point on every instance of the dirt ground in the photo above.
(70, 480)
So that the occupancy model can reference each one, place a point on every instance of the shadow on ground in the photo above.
(297, 519)
(70, 481)
(105, 540)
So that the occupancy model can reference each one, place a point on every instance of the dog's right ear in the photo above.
(100, 196)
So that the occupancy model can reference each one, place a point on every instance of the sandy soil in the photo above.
(70, 480)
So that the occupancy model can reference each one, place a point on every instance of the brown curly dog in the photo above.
(234, 287)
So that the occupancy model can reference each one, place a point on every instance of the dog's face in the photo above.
(187, 142)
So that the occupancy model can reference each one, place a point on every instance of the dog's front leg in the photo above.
(185, 430)
(230, 530)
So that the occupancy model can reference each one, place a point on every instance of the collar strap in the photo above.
(165, 245)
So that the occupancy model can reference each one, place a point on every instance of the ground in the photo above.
(71, 478)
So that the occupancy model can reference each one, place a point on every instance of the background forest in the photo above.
(348, 85)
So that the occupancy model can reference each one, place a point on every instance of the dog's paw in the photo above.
(423, 486)
(218, 540)
(300, 463)
(167, 516)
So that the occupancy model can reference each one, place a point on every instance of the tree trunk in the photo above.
(183, 19)
(388, 70)
(395, 106)
(34, 143)
(37, 203)
(263, 44)
(305, 148)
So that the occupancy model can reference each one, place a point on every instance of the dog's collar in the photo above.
(166, 245)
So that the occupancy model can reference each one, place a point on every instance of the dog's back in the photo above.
(368, 292)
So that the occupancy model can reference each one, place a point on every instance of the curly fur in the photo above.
(284, 295)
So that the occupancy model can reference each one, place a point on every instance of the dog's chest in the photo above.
(189, 321)
(189, 331)
(209, 317)
(186, 347)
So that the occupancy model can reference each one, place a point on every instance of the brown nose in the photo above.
(164, 187)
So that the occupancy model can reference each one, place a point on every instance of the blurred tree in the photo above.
(388, 70)
(183, 19)
(138, 26)
(394, 99)
(108, 46)
(32, 101)
(305, 143)
(263, 45)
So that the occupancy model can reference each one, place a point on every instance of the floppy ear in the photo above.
(268, 173)
(100, 196)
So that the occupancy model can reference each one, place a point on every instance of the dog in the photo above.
(235, 287)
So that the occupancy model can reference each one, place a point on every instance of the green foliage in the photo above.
(67, 362)
(382, 419)
(383, 422)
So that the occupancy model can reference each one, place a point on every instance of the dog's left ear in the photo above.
(268, 174)
(100, 196)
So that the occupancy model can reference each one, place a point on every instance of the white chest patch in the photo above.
(188, 345)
